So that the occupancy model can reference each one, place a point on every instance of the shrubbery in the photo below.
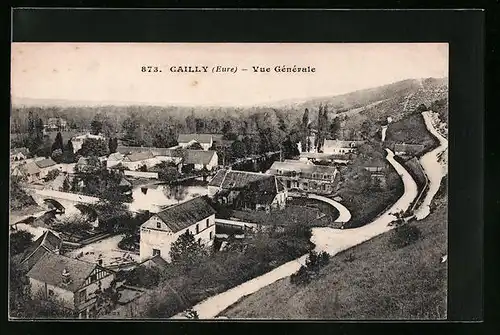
(404, 235)
(188, 281)
(307, 272)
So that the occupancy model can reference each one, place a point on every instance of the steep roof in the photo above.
(117, 156)
(50, 267)
(30, 168)
(200, 138)
(48, 242)
(139, 156)
(155, 261)
(229, 179)
(260, 188)
(198, 156)
(45, 163)
(181, 216)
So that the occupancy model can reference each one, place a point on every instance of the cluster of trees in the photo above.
(96, 180)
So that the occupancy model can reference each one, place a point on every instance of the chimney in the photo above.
(66, 276)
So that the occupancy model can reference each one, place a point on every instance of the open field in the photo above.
(369, 281)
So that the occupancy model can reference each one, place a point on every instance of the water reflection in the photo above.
(153, 196)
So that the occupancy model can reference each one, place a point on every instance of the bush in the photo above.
(314, 263)
(51, 175)
(404, 235)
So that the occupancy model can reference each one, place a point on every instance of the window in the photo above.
(83, 295)
(208, 223)
(197, 228)
(199, 241)
(158, 225)
(156, 252)
(211, 235)
(51, 292)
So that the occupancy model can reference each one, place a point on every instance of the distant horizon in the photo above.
(98, 73)
(96, 103)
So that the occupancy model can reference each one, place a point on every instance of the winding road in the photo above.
(326, 239)
(344, 213)
(433, 169)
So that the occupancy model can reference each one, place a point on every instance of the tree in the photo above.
(305, 131)
(334, 128)
(238, 149)
(51, 175)
(96, 126)
(66, 185)
(75, 225)
(112, 144)
(57, 155)
(94, 147)
(186, 250)
(19, 241)
(58, 143)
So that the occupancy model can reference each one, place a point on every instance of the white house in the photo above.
(136, 160)
(77, 283)
(338, 147)
(114, 159)
(77, 141)
(205, 140)
(165, 227)
(200, 159)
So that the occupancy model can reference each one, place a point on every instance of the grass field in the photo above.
(369, 281)
(411, 129)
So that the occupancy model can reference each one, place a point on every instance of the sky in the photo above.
(111, 72)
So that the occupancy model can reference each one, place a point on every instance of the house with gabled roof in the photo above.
(248, 190)
(305, 175)
(47, 242)
(77, 283)
(28, 171)
(159, 232)
(205, 140)
(201, 159)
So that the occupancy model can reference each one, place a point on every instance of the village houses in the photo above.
(34, 170)
(200, 159)
(247, 190)
(48, 242)
(158, 233)
(338, 147)
(305, 176)
(77, 283)
(56, 123)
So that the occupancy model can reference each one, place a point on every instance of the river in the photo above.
(153, 197)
